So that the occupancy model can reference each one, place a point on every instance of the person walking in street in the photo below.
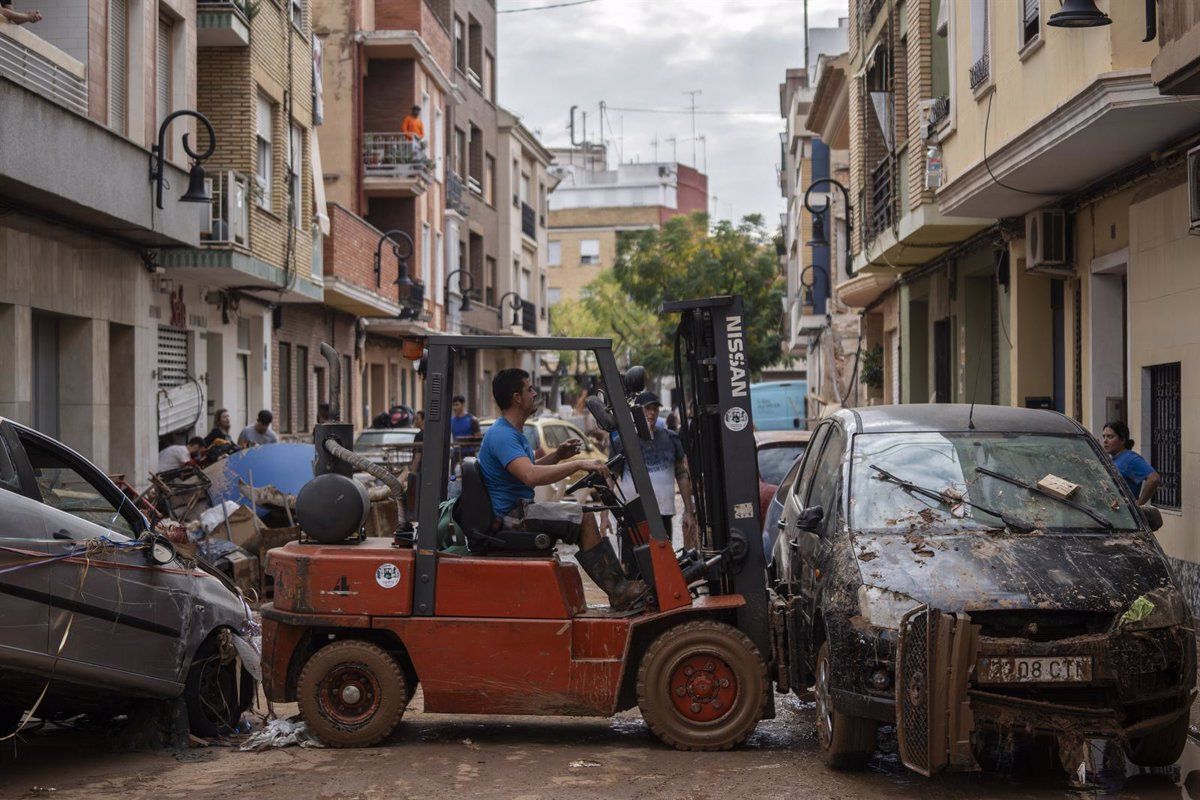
(1142, 478)
(222, 423)
(667, 465)
(463, 424)
(260, 432)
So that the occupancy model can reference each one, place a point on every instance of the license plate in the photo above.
(1022, 669)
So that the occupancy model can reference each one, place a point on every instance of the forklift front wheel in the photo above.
(351, 693)
(701, 686)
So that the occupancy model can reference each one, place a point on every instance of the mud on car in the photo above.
(97, 614)
(968, 576)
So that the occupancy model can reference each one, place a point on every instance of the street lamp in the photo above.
(196, 191)
(515, 305)
(465, 292)
(1079, 14)
(819, 238)
(403, 280)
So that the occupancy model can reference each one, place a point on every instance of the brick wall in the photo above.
(308, 325)
(350, 253)
(389, 91)
(919, 87)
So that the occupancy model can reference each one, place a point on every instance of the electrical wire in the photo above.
(986, 123)
(728, 113)
(544, 8)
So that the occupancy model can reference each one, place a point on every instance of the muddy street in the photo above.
(535, 759)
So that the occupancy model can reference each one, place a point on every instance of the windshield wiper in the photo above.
(1033, 487)
(947, 501)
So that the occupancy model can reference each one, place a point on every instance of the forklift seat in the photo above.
(483, 529)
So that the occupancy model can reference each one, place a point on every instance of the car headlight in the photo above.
(884, 608)
(1161, 608)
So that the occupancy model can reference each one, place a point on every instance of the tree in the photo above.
(605, 310)
(685, 260)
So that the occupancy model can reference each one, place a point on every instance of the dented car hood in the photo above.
(976, 571)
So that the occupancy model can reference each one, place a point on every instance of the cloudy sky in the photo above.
(646, 54)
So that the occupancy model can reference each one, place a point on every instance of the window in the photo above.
(439, 142)
(980, 60)
(460, 45)
(118, 59)
(439, 266)
(489, 180)
(70, 487)
(490, 266)
(285, 387)
(8, 474)
(589, 251)
(295, 170)
(827, 479)
(162, 69)
(475, 168)
(298, 15)
(940, 65)
(553, 295)
(554, 254)
(489, 76)
(525, 197)
(515, 178)
(460, 151)
(1029, 22)
(1166, 432)
(263, 170)
(426, 261)
(302, 420)
(474, 51)
(542, 204)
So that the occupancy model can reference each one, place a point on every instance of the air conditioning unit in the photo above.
(1046, 243)
(1193, 184)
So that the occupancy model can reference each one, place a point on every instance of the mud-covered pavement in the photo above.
(511, 757)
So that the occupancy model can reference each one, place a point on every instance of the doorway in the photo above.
(45, 374)
(1108, 329)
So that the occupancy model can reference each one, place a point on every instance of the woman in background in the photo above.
(1142, 478)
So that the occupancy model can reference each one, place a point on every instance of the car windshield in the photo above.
(381, 438)
(774, 462)
(964, 466)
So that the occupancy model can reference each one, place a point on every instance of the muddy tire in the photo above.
(701, 686)
(1161, 748)
(352, 694)
(216, 692)
(846, 742)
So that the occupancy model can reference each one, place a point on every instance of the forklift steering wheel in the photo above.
(615, 464)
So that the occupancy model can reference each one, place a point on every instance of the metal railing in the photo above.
(528, 317)
(454, 193)
(395, 155)
(528, 221)
(980, 71)
(474, 185)
(229, 214)
(881, 197)
(40, 74)
(938, 112)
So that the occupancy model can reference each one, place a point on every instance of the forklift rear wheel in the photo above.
(351, 693)
(701, 686)
(846, 742)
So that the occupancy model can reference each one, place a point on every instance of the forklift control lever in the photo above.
(615, 464)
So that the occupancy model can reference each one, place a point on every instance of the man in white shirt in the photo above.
(176, 455)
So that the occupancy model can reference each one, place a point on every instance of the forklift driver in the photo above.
(510, 472)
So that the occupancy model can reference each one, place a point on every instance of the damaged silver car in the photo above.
(968, 575)
(96, 611)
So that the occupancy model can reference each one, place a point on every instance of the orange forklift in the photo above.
(358, 623)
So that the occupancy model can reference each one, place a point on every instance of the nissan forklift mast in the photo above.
(713, 403)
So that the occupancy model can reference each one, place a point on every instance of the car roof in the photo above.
(779, 438)
(955, 417)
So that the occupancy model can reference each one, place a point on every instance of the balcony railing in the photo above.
(881, 197)
(938, 113)
(528, 221)
(229, 214)
(395, 155)
(980, 71)
(474, 185)
(454, 194)
(29, 61)
(528, 317)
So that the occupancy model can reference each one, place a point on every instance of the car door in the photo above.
(787, 550)
(24, 580)
(115, 610)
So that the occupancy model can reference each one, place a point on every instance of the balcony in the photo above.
(528, 221)
(229, 215)
(882, 191)
(395, 165)
(528, 317)
(1176, 68)
(28, 60)
(220, 23)
(981, 70)
(455, 201)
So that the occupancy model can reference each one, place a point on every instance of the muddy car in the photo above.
(96, 611)
(968, 576)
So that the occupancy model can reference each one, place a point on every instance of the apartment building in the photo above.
(591, 205)
(82, 298)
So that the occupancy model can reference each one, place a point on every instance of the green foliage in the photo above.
(872, 367)
(686, 260)
(605, 311)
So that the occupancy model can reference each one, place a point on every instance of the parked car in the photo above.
(388, 447)
(545, 433)
(97, 608)
(779, 405)
(966, 574)
(779, 454)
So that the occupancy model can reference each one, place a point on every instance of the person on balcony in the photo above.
(18, 17)
(412, 127)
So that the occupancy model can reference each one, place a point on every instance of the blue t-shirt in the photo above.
(1134, 469)
(502, 445)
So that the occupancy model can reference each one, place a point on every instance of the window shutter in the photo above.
(163, 69)
(1031, 10)
(264, 118)
(117, 58)
(589, 247)
(943, 17)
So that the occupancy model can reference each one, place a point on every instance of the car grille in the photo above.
(1040, 626)
(917, 634)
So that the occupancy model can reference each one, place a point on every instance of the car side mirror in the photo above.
(1153, 517)
(160, 550)
(810, 518)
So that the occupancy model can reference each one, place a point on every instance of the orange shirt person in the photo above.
(412, 127)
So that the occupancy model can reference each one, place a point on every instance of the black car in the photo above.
(965, 574)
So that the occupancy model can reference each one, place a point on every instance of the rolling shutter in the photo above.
(162, 72)
(117, 59)
(180, 400)
(172, 357)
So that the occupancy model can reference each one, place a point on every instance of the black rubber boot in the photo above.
(602, 566)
